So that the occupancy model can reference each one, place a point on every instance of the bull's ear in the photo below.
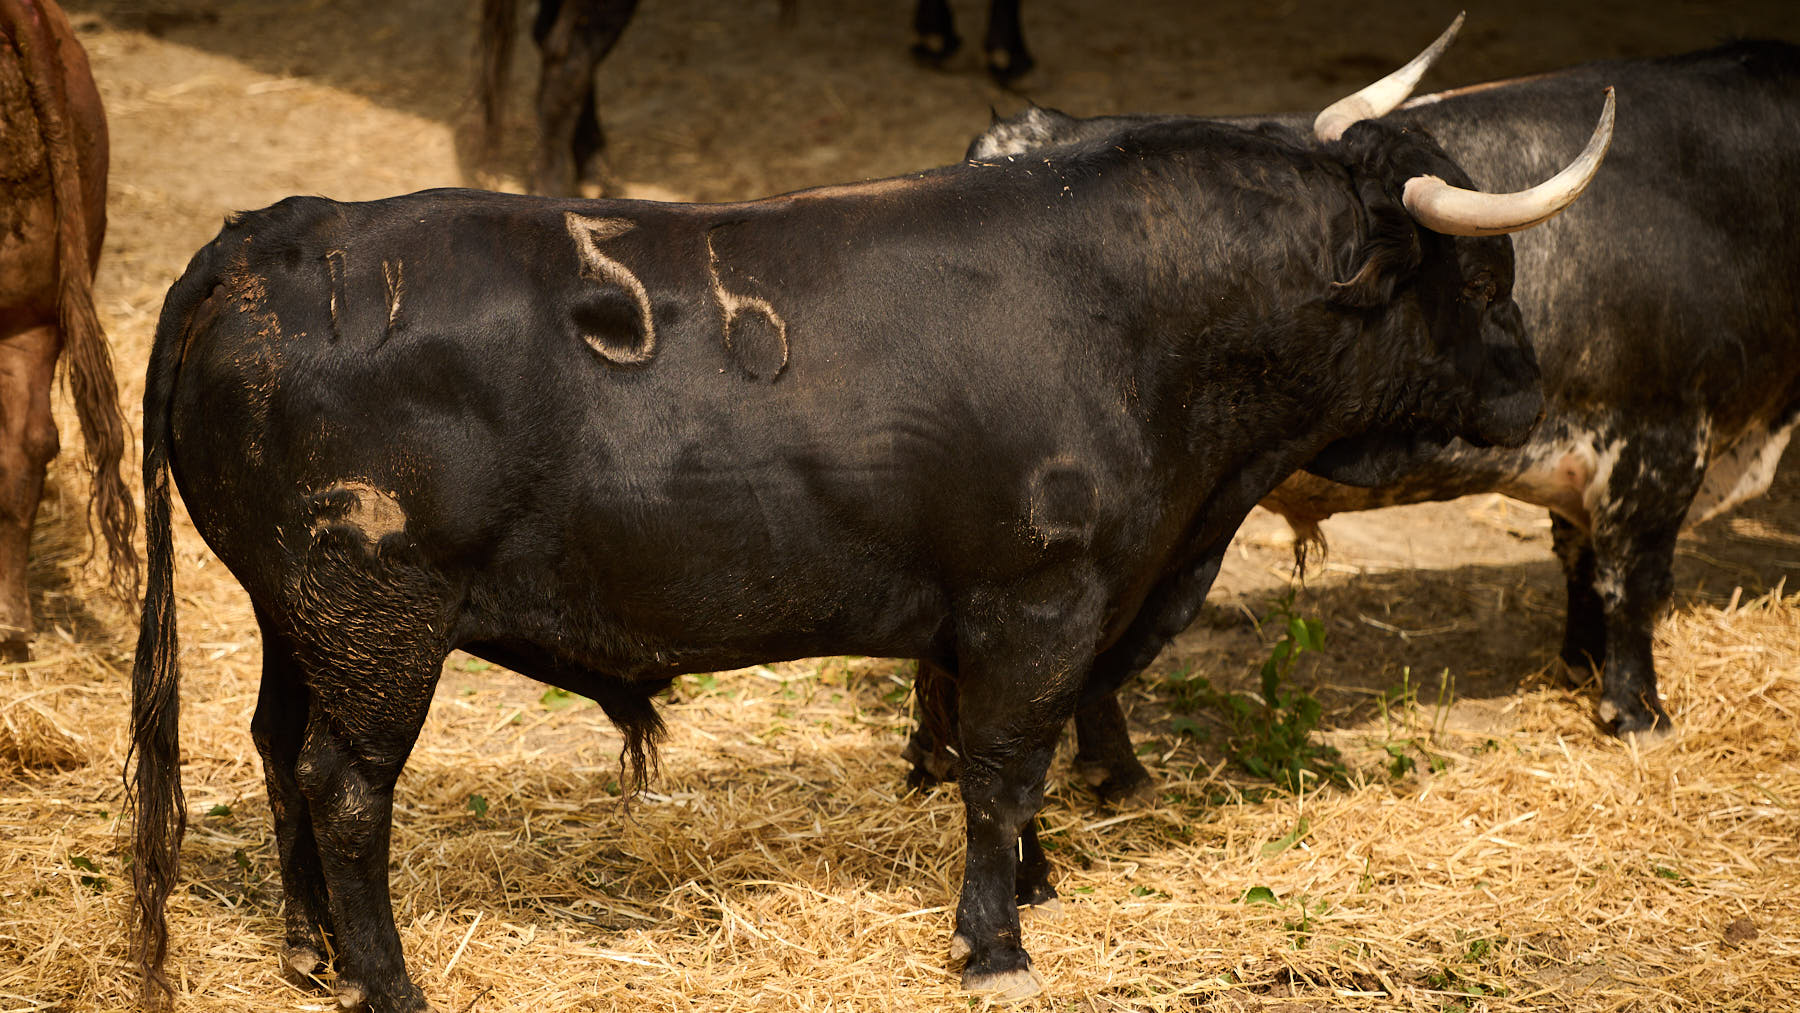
(1386, 257)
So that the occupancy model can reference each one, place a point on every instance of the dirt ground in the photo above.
(216, 106)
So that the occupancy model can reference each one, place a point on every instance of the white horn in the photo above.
(1383, 96)
(1454, 211)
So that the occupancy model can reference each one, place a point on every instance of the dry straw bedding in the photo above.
(780, 864)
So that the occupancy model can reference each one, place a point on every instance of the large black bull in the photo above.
(1665, 313)
(993, 416)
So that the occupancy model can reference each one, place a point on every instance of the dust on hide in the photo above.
(838, 429)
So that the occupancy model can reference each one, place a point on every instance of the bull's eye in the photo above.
(1482, 289)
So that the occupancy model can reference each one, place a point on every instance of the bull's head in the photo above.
(1431, 230)
(1431, 260)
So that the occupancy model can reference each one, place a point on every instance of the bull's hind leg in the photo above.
(27, 444)
(360, 728)
(366, 626)
(934, 28)
(278, 729)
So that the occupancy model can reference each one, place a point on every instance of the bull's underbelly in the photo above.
(1575, 477)
(1572, 475)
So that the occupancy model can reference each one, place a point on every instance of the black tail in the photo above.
(499, 22)
(153, 787)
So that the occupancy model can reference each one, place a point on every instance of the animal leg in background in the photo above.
(937, 41)
(27, 444)
(573, 36)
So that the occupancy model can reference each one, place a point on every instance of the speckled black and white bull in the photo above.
(993, 416)
(1665, 313)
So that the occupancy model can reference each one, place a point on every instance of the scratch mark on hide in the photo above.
(394, 274)
(588, 233)
(731, 306)
(335, 268)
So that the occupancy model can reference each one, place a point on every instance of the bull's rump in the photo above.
(438, 396)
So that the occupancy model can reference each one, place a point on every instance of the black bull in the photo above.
(989, 416)
(1663, 309)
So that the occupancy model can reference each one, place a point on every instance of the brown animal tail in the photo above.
(90, 370)
(153, 786)
(499, 22)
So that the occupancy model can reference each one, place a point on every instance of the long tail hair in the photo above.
(153, 786)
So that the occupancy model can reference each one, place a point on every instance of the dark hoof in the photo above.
(1115, 783)
(932, 49)
(1038, 895)
(929, 768)
(1004, 986)
(351, 996)
(1578, 668)
(1005, 67)
(13, 651)
(1645, 722)
(303, 967)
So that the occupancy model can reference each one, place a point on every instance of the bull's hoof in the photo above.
(1115, 783)
(1050, 908)
(1036, 895)
(929, 767)
(1004, 986)
(1578, 668)
(303, 961)
(1647, 724)
(1006, 67)
(933, 48)
(13, 651)
(960, 948)
(352, 996)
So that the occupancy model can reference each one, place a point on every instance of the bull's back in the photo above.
(616, 410)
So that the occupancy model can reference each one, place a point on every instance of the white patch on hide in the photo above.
(1568, 476)
(1739, 471)
(1024, 132)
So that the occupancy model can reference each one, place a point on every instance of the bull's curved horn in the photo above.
(1383, 96)
(1454, 211)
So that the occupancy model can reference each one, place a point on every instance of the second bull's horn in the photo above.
(1385, 95)
(1455, 211)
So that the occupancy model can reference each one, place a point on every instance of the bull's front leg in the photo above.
(1020, 669)
(1636, 518)
(27, 444)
